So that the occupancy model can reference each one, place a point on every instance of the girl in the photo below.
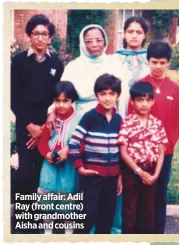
(58, 174)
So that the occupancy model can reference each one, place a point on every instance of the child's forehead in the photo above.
(146, 96)
(61, 96)
(108, 90)
(162, 59)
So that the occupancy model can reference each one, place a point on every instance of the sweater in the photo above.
(32, 86)
(166, 108)
(100, 138)
(58, 178)
(65, 125)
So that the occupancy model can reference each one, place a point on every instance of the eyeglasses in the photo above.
(98, 41)
(44, 35)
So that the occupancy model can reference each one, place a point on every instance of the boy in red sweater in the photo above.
(166, 108)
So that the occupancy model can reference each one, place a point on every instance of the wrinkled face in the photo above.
(134, 36)
(62, 104)
(107, 98)
(158, 67)
(94, 42)
(40, 38)
(142, 105)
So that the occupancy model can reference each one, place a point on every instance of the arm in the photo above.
(130, 162)
(174, 132)
(152, 179)
(43, 142)
(75, 144)
(17, 105)
(162, 147)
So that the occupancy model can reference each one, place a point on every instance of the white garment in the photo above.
(84, 70)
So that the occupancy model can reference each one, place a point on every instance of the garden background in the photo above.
(163, 25)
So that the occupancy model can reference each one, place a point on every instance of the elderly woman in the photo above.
(91, 63)
(83, 72)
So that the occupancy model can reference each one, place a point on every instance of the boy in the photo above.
(99, 129)
(166, 108)
(142, 138)
(34, 73)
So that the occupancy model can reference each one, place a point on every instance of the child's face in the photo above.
(107, 99)
(158, 67)
(62, 104)
(142, 105)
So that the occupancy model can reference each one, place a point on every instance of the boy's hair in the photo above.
(107, 81)
(140, 89)
(39, 19)
(68, 89)
(138, 19)
(159, 49)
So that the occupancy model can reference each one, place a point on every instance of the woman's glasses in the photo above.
(90, 42)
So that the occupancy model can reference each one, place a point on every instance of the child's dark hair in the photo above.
(39, 19)
(138, 19)
(159, 49)
(68, 89)
(107, 81)
(140, 89)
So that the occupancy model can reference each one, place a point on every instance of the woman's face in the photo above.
(134, 36)
(94, 42)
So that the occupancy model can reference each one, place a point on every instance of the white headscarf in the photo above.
(82, 46)
(84, 70)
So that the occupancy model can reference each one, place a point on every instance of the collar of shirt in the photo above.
(41, 58)
(101, 110)
(63, 117)
(134, 119)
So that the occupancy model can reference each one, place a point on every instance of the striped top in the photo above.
(100, 140)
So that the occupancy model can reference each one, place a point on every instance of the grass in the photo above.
(173, 189)
(174, 75)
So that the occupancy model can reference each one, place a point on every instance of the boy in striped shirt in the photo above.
(98, 131)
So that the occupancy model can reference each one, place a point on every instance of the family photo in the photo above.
(94, 121)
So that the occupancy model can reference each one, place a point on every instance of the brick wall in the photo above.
(111, 28)
(58, 17)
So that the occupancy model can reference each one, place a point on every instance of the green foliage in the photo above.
(78, 19)
(15, 48)
(56, 43)
(13, 138)
(160, 21)
(174, 63)
(173, 190)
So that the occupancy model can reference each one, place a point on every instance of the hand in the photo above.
(51, 124)
(144, 176)
(34, 130)
(48, 157)
(63, 154)
(32, 143)
(152, 179)
(87, 172)
(119, 185)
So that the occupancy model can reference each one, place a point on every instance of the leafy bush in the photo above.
(13, 138)
(77, 20)
(173, 190)
(174, 63)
